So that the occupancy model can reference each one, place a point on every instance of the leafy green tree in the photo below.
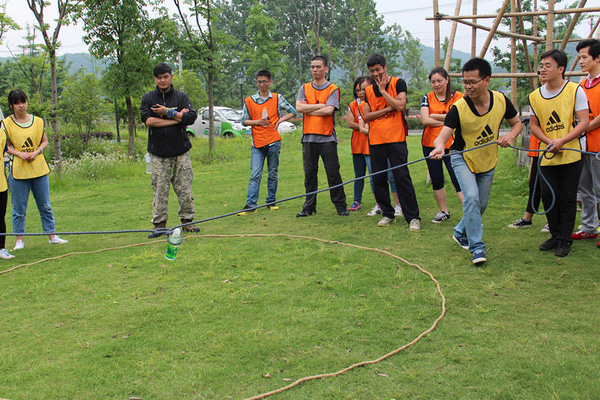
(189, 83)
(66, 9)
(6, 22)
(123, 32)
(412, 64)
(81, 103)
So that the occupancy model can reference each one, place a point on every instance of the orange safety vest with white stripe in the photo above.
(593, 95)
(391, 127)
(314, 124)
(264, 135)
(360, 141)
(430, 133)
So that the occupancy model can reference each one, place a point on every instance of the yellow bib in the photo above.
(481, 129)
(556, 117)
(3, 183)
(27, 139)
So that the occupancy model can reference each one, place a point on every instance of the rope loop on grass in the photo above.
(167, 231)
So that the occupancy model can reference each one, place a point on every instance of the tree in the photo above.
(66, 9)
(189, 83)
(205, 44)
(413, 65)
(81, 103)
(122, 31)
(6, 22)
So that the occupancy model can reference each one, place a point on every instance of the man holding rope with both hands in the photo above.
(475, 120)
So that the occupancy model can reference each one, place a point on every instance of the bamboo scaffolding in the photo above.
(436, 34)
(474, 32)
(532, 81)
(513, 55)
(494, 28)
(550, 25)
(515, 14)
(505, 75)
(503, 33)
(589, 37)
(452, 37)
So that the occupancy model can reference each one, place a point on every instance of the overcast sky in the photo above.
(409, 14)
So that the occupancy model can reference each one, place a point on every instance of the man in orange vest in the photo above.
(318, 100)
(384, 111)
(589, 183)
(262, 112)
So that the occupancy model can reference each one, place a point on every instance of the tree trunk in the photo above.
(53, 116)
(211, 121)
(131, 127)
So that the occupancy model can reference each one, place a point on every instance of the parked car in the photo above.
(227, 124)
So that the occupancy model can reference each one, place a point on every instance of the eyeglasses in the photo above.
(471, 83)
(262, 82)
(359, 90)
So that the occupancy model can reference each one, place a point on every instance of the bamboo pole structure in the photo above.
(535, 45)
(519, 74)
(494, 28)
(436, 33)
(502, 33)
(516, 14)
(576, 16)
(589, 37)
(532, 82)
(550, 25)
(513, 55)
(452, 37)
(473, 32)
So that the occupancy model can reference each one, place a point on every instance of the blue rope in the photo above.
(168, 231)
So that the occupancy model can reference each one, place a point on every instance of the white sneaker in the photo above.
(19, 245)
(4, 254)
(376, 210)
(397, 211)
(415, 225)
(545, 229)
(385, 221)
(57, 240)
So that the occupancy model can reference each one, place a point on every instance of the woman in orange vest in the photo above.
(434, 107)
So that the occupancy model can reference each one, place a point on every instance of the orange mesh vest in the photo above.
(593, 95)
(360, 141)
(264, 135)
(313, 124)
(391, 127)
(430, 133)
(534, 144)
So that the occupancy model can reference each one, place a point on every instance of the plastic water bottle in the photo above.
(148, 163)
(265, 113)
(173, 241)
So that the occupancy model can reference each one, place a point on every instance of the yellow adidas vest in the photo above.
(477, 130)
(3, 183)
(27, 139)
(556, 117)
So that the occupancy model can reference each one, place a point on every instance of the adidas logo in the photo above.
(485, 136)
(554, 123)
(28, 146)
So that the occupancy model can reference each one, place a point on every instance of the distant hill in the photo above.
(78, 61)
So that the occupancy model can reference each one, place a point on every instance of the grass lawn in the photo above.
(234, 317)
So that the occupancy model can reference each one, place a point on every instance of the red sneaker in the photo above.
(583, 235)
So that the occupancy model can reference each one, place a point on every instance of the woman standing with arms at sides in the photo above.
(434, 107)
(29, 171)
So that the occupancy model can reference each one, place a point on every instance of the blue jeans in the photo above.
(476, 188)
(257, 161)
(19, 196)
(361, 163)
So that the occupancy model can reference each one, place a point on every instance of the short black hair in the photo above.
(162, 68)
(320, 58)
(264, 72)
(375, 59)
(16, 96)
(593, 44)
(478, 64)
(559, 56)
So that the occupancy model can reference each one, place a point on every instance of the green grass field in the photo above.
(234, 317)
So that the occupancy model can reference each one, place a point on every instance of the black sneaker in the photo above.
(549, 244)
(521, 223)
(343, 212)
(305, 213)
(563, 248)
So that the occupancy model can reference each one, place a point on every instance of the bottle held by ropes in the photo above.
(148, 163)
(173, 241)
(265, 113)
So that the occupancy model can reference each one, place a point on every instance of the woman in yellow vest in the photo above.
(29, 171)
(434, 107)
